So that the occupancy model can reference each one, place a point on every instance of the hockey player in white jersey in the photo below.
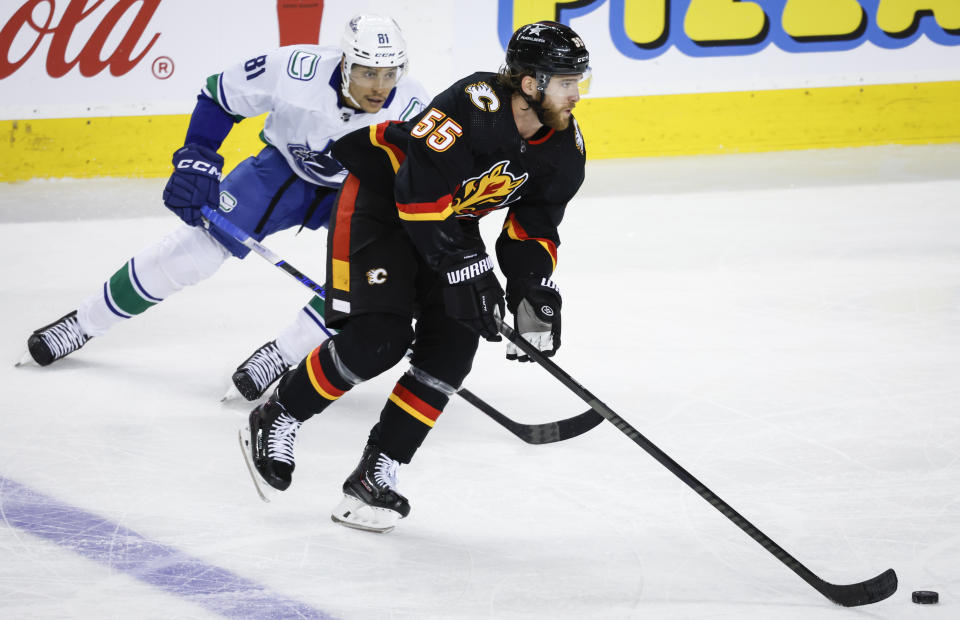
(313, 95)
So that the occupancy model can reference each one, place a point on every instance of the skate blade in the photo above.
(353, 513)
(232, 394)
(25, 360)
(264, 490)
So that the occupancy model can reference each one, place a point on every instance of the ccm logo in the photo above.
(200, 166)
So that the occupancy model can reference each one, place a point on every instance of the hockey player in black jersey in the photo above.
(404, 245)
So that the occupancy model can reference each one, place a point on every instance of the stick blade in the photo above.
(864, 593)
(537, 434)
(578, 424)
(552, 432)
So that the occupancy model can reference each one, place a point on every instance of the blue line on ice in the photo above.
(94, 537)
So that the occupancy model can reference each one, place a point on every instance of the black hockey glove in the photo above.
(535, 304)
(471, 293)
(195, 182)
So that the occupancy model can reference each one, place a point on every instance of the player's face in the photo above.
(370, 86)
(559, 98)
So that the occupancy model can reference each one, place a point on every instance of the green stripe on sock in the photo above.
(317, 304)
(124, 295)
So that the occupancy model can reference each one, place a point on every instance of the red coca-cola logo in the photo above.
(89, 58)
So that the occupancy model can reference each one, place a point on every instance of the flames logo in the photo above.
(377, 275)
(489, 190)
(482, 96)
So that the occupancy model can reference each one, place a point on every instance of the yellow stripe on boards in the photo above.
(771, 120)
(119, 146)
(736, 122)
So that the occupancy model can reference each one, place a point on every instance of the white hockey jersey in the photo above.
(299, 87)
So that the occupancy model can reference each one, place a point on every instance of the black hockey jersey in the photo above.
(463, 158)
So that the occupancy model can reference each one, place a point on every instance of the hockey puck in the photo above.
(926, 597)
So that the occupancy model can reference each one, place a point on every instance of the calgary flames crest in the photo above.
(483, 96)
(487, 191)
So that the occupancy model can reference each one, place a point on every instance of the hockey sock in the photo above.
(368, 345)
(184, 257)
(318, 381)
(304, 334)
(410, 412)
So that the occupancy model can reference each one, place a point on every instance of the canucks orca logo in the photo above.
(318, 165)
(489, 190)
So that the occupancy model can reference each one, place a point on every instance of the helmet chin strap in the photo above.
(345, 86)
(537, 105)
(534, 105)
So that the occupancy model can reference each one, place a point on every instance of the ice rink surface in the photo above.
(786, 326)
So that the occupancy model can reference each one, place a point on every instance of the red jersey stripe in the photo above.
(394, 154)
(340, 248)
(438, 210)
(543, 139)
(516, 231)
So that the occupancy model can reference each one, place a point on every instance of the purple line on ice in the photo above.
(213, 588)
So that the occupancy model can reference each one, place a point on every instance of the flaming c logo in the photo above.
(483, 96)
(488, 191)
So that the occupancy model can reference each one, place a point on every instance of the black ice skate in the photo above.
(56, 340)
(259, 371)
(267, 445)
(371, 500)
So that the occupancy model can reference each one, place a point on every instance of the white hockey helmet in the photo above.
(372, 41)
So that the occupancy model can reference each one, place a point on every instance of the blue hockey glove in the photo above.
(535, 304)
(195, 182)
(472, 293)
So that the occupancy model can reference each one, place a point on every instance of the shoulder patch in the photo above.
(482, 96)
(578, 137)
(302, 65)
(414, 107)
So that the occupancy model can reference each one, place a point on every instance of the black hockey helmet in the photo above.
(545, 48)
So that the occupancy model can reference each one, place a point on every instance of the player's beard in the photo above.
(554, 117)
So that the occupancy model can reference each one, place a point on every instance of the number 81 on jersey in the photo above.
(440, 136)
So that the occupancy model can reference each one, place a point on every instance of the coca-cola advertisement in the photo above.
(90, 58)
(109, 57)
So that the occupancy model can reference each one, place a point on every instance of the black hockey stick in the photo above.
(548, 432)
(862, 593)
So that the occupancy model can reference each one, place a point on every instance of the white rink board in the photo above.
(447, 40)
